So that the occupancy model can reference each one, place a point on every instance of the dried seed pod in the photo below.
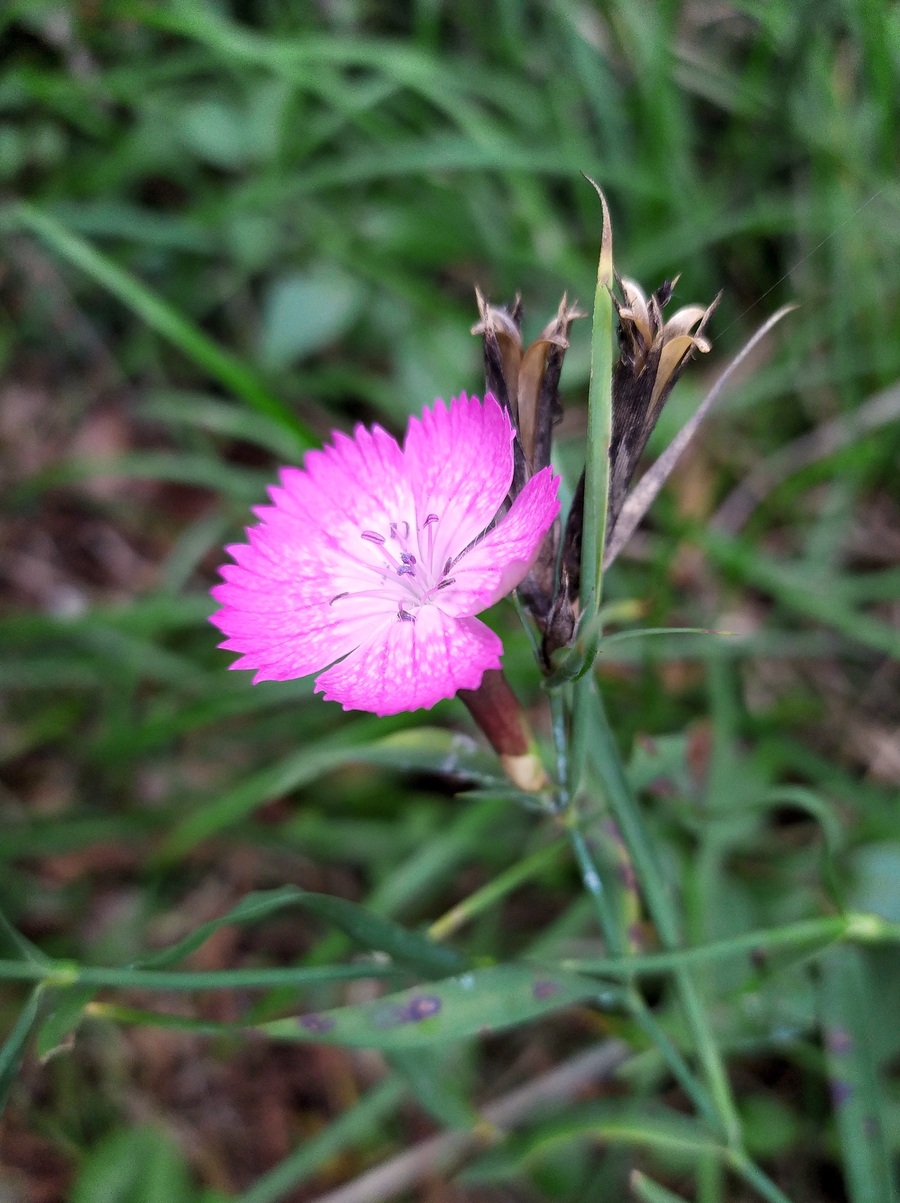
(526, 381)
(653, 353)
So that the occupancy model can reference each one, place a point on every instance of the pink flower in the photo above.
(374, 559)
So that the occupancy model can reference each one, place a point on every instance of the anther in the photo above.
(451, 580)
(337, 597)
(372, 536)
(428, 521)
(407, 557)
(404, 616)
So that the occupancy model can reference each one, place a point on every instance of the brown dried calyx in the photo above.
(526, 381)
(653, 353)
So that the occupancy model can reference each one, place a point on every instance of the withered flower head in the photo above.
(653, 354)
(526, 381)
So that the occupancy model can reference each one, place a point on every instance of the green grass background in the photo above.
(230, 228)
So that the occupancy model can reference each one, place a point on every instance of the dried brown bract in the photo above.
(526, 381)
(653, 353)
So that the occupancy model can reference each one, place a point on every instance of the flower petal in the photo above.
(276, 610)
(499, 561)
(281, 602)
(351, 485)
(460, 464)
(413, 665)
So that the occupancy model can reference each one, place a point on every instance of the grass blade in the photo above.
(164, 319)
(457, 1008)
(848, 1009)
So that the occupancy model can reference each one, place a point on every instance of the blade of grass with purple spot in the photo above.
(476, 1003)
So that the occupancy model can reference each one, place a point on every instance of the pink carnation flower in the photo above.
(374, 559)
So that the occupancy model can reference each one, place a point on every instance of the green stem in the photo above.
(494, 890)
(559, 722)
(681, 1071)
(611, 927)
(859, 928)
(754, 1176)
(67, 973)
(604, 755)
(710, 1180)
(593, 883)
(633, 999)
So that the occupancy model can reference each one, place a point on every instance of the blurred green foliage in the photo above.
(245, 224)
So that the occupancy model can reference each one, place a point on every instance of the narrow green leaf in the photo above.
(428, 748)
(141, 1165)
(825, 815)
(13, 941)
(457, 1008)
(163, 318)
(203, 471)
(108, 1174)
(433, 1079)
(848, 1011)
(64, 1012)
(801, 589)
(372, 932)
(183, 408)
(13, 1050)
(599, 434)
(378, 934)
(803, 938)
(648, 1191)
(579, 658)
(250, 909)
(665, 1132)
(353, 1126)
(600, 749)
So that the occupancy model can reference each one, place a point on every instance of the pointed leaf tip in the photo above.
(605, 265)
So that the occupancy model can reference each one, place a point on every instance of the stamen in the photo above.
(372, 536)
(378, 594)
(404, 616)
(337, 597)
(406, 570)
(427, 525)
(407, 557)
(451, 580)
(395, 527)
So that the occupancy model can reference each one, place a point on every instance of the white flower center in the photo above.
(403, 566)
